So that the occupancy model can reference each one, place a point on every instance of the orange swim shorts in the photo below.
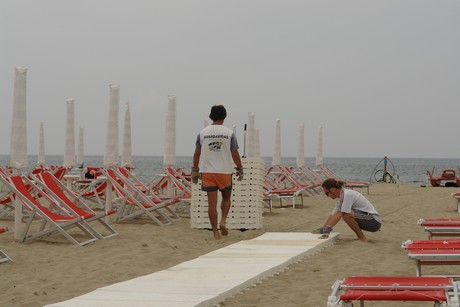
(213, 182)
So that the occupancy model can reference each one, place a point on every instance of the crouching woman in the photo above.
(352, 207)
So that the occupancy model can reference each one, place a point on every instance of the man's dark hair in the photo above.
(218, 112)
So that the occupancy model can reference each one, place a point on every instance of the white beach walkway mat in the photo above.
(211, 278)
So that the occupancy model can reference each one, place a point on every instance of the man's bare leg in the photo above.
(353, 224)
(212, 213)
(225, 208)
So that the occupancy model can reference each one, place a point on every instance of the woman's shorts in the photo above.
(213, 182)
(367, 221)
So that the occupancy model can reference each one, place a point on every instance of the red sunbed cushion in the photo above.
(440, 222)
(447, 252)
(445, 245)
(394, 295)
(439, 241)
(390, 281)
(434, 219)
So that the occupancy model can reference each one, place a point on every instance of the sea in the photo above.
(406, 170)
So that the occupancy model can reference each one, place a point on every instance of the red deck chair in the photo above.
(310, 188)
(93, 190)
(432, 252)
(130, 176)
(137, 187)
(158, 195)
(6, 203)
(441, 227)
(60, 172)
(177, 186)
(181, 183)
(133, 202)
(52, 218)
(59, 191)
(328, 173)
(442, 291)
(313, 178)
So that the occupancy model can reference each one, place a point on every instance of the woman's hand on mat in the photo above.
(316, 231)
(323, 230)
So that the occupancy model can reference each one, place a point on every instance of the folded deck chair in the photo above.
(441, 227)
(59, 191)
(309, 188)
(312, 177)
(271, 193)
(4, 257)
(432, 252)
(442, 291)
(328, 173)
(181, 181)
(280, 186)
(52, 219)
(178, 186)
(128, 174)
(135, 185)
(133, 202)
(172, 185)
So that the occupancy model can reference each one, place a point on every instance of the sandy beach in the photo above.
(53, 270)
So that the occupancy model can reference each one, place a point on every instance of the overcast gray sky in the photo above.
(380, 77)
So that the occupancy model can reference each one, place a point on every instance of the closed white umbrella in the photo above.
(126, 158)
(41, 147)
(300, 147)
(18, 144)
(319, 152)
(111, 157)
(169, 158)
(80, 148)
(277, 151)
(257, 143)
(250, 136)
(69, 150)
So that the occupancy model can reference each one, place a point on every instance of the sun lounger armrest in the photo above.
(405, 244)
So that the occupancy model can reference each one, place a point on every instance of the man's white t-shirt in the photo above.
(216, 142)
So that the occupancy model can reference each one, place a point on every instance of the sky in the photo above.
(381, 77)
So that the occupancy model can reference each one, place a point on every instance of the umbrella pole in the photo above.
(244, 145)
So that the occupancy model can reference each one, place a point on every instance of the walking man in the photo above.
(215, 152)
